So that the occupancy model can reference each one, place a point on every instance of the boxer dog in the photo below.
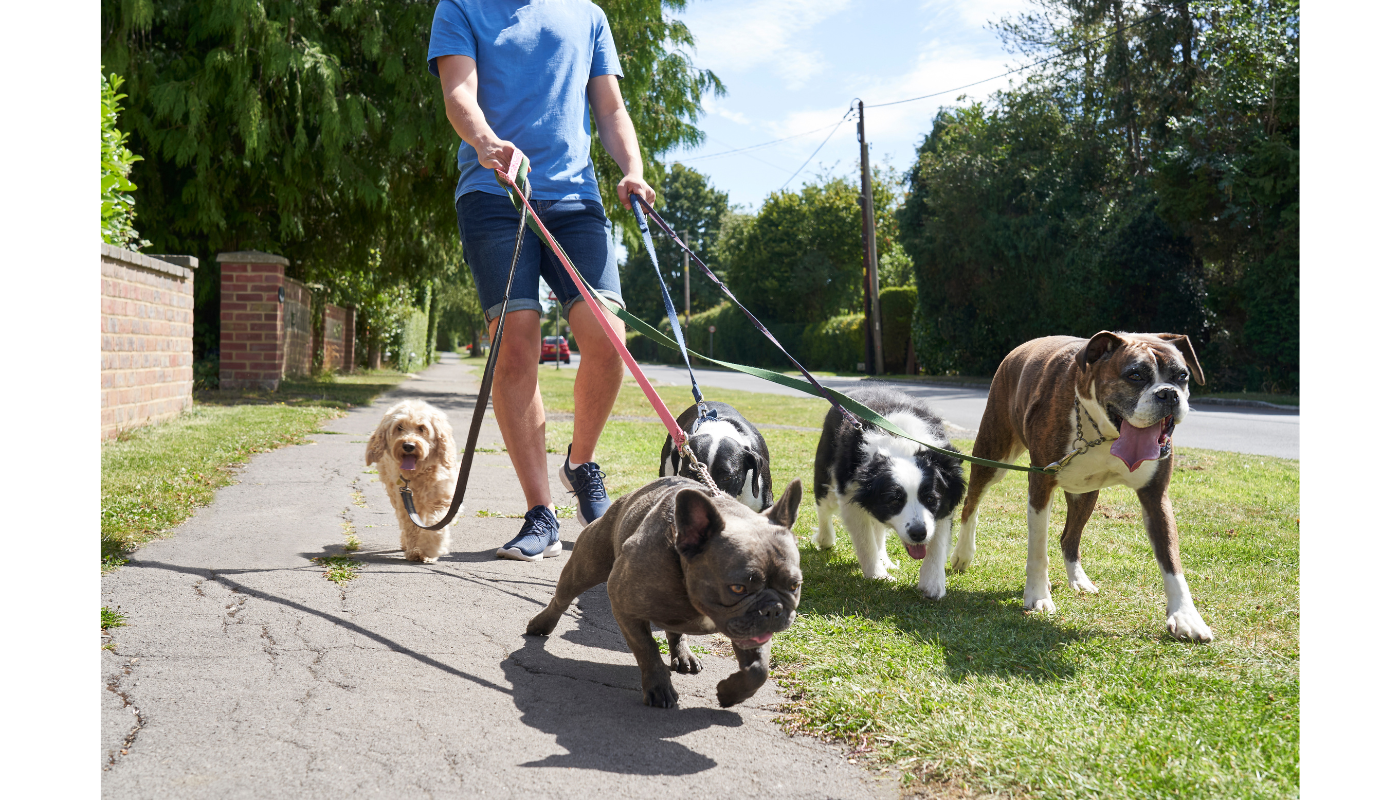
(1106, 408)
(692, 564)
(732, 450)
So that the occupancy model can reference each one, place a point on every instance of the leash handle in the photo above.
(519, 167)
(824, 392)
(666, 298)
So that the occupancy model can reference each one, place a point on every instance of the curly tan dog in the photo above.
(414, 441)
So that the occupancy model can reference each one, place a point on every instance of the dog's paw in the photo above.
(685, 662)
(934, 590)
(960, 560)
(662, 695)
(432, 560)
(1078, 581)
(736, 689)
(543, 624)
(823, 542)
(1186, 624)
(1034, 604)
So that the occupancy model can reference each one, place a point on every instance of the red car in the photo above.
(552, 345)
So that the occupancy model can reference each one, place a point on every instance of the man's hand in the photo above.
(494, 153)
(635, 184)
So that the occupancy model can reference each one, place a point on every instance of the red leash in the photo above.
(667, 418)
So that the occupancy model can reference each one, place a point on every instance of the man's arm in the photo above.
(459, 79)
(619, 137)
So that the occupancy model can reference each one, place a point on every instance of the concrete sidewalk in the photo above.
(244, 673)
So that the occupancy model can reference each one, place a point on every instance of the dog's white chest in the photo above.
(1099, 469)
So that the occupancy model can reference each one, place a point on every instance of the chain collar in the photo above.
(698, 467)
(1080, 445)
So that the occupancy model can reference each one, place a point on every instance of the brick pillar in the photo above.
(250, 319)
(348, 350)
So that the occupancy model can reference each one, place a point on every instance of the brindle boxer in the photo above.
(1115, 398)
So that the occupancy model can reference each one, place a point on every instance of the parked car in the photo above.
(555, 344)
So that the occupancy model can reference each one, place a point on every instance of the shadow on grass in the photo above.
(979, 632)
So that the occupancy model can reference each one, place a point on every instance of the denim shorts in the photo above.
(488, 222)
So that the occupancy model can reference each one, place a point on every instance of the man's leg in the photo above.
(599, 379)
(515, 394)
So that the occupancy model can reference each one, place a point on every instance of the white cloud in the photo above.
(737, 117)
(739, 36)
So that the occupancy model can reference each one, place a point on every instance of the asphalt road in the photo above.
(243, 673)
(1237, 429)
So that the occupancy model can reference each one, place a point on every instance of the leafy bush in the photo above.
(118, 206)
(896, 318)
(836, 344)
(411, 350)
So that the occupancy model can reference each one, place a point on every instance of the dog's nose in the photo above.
(1168, 395)
(772, 610)
(409, 447)
(917, 532)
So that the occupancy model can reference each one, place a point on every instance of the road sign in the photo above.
(712, 329)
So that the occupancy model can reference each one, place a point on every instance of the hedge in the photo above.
(411, 349)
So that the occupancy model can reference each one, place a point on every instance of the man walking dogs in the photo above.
(524, 75)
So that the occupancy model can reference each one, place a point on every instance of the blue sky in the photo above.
(792, 66)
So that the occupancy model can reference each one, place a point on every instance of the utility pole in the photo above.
(685, 271)
(874, 348)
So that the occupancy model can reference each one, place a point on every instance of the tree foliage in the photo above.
(312, 129)
(1146, 181)
(799, 259)
(687, 201)
(118, 206)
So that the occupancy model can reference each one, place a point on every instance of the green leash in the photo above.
(855, 407)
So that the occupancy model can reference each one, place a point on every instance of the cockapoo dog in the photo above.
(414, 441)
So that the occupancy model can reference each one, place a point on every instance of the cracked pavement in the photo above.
(242, 672)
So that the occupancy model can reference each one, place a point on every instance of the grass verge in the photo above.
(971, 696)
(154, 477)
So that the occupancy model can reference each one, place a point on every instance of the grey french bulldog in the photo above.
(692, 564)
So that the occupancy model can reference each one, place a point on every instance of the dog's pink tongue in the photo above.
(409, 462)
(757, 641)
(916, 551)
(1136, 445)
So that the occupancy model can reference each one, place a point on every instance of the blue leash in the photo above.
(705, 413)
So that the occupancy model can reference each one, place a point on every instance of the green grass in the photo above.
(339, 569)
(112, 618)
(1095, 700)
(154, 477)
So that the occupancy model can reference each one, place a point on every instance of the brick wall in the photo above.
(147, 331)
(250, 319)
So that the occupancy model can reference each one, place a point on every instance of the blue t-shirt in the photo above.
(533, 61)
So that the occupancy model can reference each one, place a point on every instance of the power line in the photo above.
(757, 146)
(1021, 69)
(834, 128)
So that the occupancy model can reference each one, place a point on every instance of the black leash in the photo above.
(519, 166)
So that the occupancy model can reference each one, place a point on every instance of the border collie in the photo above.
(881, 481)
(732, 449)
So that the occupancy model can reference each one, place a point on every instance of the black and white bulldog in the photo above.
(732, 449)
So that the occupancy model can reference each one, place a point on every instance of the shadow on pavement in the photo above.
(602, 728)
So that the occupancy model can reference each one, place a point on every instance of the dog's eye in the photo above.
(795, 585)
(738, 588)
(1134, 376)
(1181, 377)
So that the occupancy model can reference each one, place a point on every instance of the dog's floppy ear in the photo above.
(444, 445)
(754, 461)
(1182, 343)
(378, 441)
(697, 521)
(784, 512)
(1098, 346)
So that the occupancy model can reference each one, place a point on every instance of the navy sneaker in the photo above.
(586, 484)
(538, 538)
